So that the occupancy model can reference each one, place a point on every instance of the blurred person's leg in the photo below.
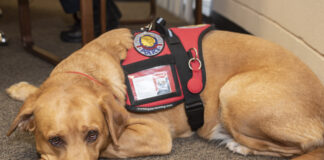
(74, 34)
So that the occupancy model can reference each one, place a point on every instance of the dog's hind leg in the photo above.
(264, 112)
(20, 91)
(224, 138)
(220, 134)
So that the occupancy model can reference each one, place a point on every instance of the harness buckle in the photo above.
(195, 112)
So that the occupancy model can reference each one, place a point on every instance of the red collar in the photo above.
(88, 76)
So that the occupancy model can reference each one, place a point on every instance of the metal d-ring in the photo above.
(194, 59)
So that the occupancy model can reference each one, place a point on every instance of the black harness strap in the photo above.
(193, 105)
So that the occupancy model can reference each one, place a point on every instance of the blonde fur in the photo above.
(259, 99)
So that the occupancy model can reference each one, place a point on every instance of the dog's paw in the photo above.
(237, 148)
(220, 134)
(117, 41)
(124, 36)
(20, 91)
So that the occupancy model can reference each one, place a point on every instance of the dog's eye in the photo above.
(56, 141)
(92, 136)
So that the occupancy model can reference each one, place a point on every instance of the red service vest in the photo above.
(152, 71)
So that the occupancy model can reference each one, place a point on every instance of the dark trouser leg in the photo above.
(73, 6)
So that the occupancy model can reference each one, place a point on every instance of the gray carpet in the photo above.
(16, 65)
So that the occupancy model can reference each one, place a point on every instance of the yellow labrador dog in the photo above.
(259, 99)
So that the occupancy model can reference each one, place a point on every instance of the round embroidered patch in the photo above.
(148, 43)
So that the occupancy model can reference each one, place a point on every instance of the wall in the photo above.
(298, 26)
(180, 8)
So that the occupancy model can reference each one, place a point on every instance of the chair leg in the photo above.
(87, 26)
(198, 12)
(24, 22)
(103, 21)
(152, 10)
(26, 36)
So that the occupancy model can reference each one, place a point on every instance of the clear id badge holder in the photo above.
(151, 84)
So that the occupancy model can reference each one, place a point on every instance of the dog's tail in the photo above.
(20, 91)
(316, 154)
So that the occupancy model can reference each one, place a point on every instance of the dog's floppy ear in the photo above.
(25, 118)
(116, 117)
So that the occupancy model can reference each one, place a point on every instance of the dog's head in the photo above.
(72, 121)
(72, 117)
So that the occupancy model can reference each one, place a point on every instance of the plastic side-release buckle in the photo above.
(195, 114)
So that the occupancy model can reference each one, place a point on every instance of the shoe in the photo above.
(3, 39)
(73, 35)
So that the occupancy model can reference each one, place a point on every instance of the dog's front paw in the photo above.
(123, 36)
(117, 42)
(20, 91)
